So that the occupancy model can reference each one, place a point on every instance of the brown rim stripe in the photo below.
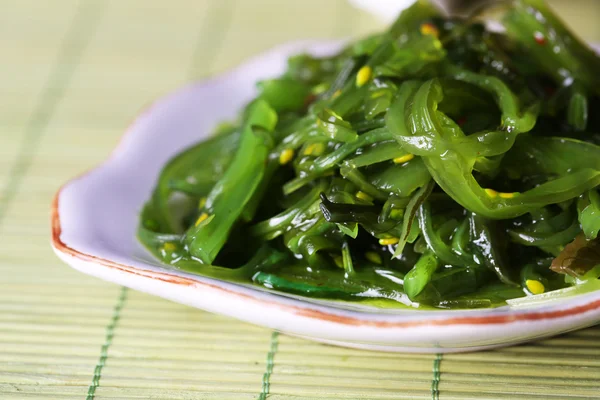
(303, 312)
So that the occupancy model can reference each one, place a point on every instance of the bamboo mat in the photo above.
(73, 75)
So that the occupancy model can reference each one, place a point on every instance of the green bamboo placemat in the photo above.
(73, 75)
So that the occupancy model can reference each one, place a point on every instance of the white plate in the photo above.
(388, 10)
(94, 219)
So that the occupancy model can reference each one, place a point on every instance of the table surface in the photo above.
(74, 75)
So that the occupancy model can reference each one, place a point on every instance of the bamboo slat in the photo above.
(75, 74)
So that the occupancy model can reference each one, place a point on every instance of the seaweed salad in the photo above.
(439, 164)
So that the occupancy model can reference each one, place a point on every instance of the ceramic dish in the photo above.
(385, 10)
(94, 219)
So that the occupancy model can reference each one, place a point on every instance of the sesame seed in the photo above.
(534, 286)
(309, 149)
(388, 241)
(430, 29)
(169, 246)
(201, 219)
(314, 149)
(403, 159)
(319, 148)
(363, 196)
(364, 75)
(286, 156)
(491, 193)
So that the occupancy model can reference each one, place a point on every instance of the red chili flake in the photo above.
(309, 99)
(461, 121)
(539, 38)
